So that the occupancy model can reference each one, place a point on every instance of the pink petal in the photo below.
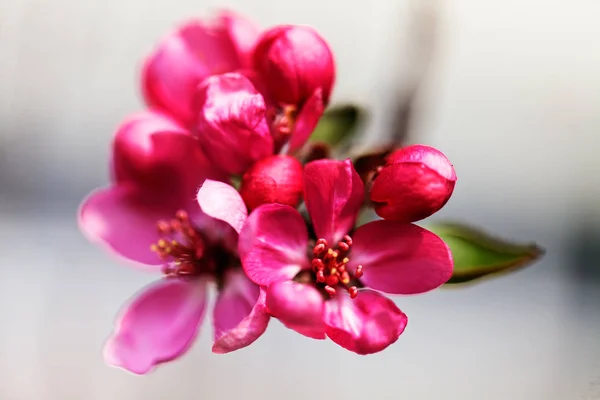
(243, 34)
(221, 201)
(298, 306)
(273, 244)
(134, 153)
(231, 124)
(154, 152)
(239, 316)
(182, 60)
(365, 325)
(333, 193)
(400, 258)
(159, 325)
(123, 218)
(307, 120)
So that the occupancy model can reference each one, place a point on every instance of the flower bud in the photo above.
(231, 125)
(415, 183)
(275, 179)
(293, 62)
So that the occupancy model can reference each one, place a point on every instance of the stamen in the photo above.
(329, 266)
(181, 247)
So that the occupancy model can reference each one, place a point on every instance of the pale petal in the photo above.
(223, 202)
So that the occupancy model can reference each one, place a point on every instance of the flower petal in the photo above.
(155, 153)
(298, 306)
(307, 120)
(333, 193)
(231, 124)
(365, 325)
(239, 316)
(159, 325)
(182, 60)
(273, 244)
(243, 34)
(221, 201)
(400, 258)
(123, 218)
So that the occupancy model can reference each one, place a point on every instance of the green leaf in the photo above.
(477, 254)
(337, 124)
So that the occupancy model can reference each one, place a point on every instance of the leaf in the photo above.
(477, 254)
(337, 124)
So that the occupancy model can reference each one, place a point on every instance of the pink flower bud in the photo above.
(415, 183)
(275, 179)
(293, 62)
(231, 125)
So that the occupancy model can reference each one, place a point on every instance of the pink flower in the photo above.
(415, 183)
(194, 51)
(149, 216)
(329, 287)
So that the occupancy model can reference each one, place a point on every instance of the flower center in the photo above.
(181, 246)
(329, 265)
(282, 120)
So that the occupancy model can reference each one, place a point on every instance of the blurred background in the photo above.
(510, 92)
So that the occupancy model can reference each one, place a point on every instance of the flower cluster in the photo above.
(229, 103)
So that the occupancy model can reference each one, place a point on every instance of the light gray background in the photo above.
(512, 97)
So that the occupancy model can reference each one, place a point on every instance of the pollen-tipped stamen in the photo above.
(329, 265)
(181, 247)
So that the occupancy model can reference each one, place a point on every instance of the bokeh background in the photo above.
(511, 94)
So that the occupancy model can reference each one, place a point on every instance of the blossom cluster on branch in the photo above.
(212, 185)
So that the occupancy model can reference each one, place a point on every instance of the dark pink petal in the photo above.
(159, 325)
(221, 201)
(365, 325)
(134, 154)
(298, 306)
(333, 193)
(400, 258)
(123, 218)
(182, 60)
(307, 120)
(231, 124)
(243, 34)
(239, 316)
(153, 152)
(294, 61)
(273, 244)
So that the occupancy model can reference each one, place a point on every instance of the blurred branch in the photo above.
(423, 31)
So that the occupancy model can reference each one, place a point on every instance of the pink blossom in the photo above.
(150, 216)
(192, 52)
(330, 287)
(415, 182)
